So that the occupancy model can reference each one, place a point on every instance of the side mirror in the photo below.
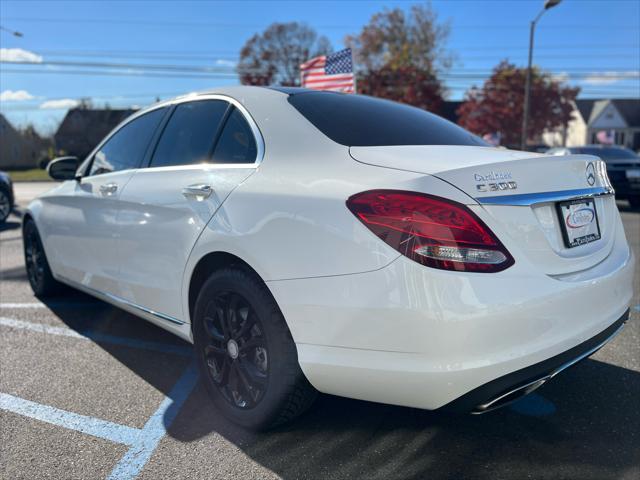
(63, 168)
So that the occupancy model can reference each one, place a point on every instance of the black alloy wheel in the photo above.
(34, 257)
(236, 350)
(38, 271)
(245, 351)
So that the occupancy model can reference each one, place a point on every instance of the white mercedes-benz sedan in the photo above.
(311, 241)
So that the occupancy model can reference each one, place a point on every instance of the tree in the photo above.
(498, 106)
(406, 84)
(273, 57)
(400, 55)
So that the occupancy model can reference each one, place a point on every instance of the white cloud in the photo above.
(18, 55)
(61, 104)
(226, 63)
(607, 78)
(15, 96)
(561, 77)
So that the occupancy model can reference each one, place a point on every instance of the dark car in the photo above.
(6, 196)
(623, 168)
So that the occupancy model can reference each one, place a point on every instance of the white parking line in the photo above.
(142, 442)
(96, 337)
(53, 304)
(23, 305)
(73, 421)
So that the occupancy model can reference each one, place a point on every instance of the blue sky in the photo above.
(591, 43)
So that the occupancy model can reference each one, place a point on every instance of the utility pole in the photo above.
(527, 88)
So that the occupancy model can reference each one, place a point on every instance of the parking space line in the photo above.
(96, 337)
(132, 463)
(23, 305)
(81, 423)
(637, 308)
(51, 304)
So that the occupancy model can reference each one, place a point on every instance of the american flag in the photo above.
(329, 72)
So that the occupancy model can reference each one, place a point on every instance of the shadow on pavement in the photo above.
(591, 429)
(9, 225)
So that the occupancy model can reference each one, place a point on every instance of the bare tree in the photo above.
(273, 56)
(399, 55)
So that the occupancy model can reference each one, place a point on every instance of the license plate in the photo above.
(633, 174)
(578, 222)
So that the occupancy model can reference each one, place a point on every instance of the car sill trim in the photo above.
(122, 301)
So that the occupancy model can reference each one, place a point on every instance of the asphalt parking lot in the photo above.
(89, 391)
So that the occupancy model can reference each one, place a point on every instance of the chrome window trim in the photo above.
(192, 97)
(527, 199)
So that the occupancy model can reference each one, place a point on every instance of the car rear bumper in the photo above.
(413, 336)
(515, 385)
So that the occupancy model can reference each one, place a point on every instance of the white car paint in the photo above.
(368, 322)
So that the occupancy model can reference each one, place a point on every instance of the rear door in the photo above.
(80, 220)
(207, 148)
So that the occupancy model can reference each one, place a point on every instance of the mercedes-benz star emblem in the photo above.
(591, 174)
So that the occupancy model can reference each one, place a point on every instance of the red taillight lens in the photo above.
(432, 231)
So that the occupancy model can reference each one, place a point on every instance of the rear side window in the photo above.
(358, 120)
(236, 144)
(190, 134)
(126, 148)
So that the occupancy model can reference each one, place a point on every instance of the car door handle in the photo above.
(108, 188)
(200, 192)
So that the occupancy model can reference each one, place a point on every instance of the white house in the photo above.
(621, 117)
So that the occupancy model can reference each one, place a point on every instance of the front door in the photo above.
(79, 219)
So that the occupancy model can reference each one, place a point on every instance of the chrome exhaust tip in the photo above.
(510, 396)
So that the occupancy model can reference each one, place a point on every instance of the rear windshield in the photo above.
(607, 153)
(361, 121)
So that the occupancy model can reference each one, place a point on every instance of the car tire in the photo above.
(38, 271)
(5, 205)
(245, 352)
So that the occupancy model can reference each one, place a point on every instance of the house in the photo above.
(83, 128)
(620, 117)
(19, 150)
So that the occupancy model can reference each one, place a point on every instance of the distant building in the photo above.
(19, 150)
(618, 116)
(83, 128)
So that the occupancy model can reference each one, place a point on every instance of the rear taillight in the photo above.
(432, 231)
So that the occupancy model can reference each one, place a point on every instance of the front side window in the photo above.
(126, 148)
(236, 143)
(190, 133)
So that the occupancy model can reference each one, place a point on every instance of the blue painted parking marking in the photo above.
(96, 337)
(534, 405)
(141, 442)
(156, 427)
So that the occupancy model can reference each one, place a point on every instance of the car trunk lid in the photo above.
(518, 194)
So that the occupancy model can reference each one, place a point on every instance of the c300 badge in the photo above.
(495, 182)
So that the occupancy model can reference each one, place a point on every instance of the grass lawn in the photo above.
(33, 175)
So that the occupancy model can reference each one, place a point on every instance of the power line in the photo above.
(142, 67)
(161, 23)
(188, 56)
